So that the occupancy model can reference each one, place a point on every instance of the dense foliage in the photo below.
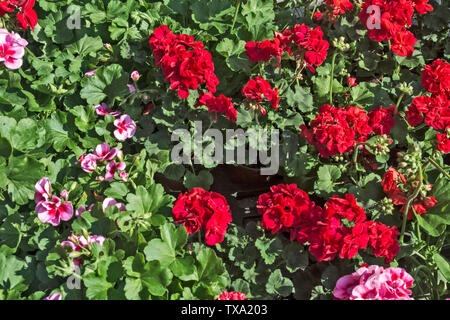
(91, 92)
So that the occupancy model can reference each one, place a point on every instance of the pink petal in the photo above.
(66, 211)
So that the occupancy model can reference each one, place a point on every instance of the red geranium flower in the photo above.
(436, 79)
(382, 120)
(185, 62)
(219, 104)
(203, 209)
(27, 16)
(443, 142)
(257, 88)
(403, 43)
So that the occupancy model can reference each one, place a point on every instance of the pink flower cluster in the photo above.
(12, 49)
(77, 243)
(375, 283)
(50, 208)
(103, 153)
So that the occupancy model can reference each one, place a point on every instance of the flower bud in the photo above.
(135, 76)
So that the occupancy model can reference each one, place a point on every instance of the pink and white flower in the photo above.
(76, 243)
(112, 168)
(54, 296)
(54, 210)
(103, 152)
(43, 190)
(126, 128)
(103, 110)
(108, 202)
(50, 209)
(64, 194)
(12, 49)
(88, 162)
(124, 176)
(83, 209)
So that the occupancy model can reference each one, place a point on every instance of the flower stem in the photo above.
(434, 163)
(408, 203)
(314, 10)
(398, 102)
(331, 78)
(238, 6)
(199, 236)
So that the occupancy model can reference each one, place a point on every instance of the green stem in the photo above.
(408, 203)
(238, 6)
(434, 163)
(331, 79)
(314, 10)
(199, 236)
(30, 52)
(398, 102)
(355, 154)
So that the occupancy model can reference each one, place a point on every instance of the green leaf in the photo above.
(184, 268)
(97, 287)
(443, 265)
(204, 180)
(279, 285)
(160, 251)
(11, 273)
(300, 98)
(329, 277)
(108, 83)
(296, 257)
(22, 174)
(27, 135)
(85, 118)
(361, 95)
(327, 175)
(116, 190)
(85, 46)
(175, 237)
(259, 15)
(57, 134)
(147, 202)
(156, 279)
(270, 249)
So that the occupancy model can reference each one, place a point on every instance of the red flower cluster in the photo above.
(337, 130)
(335, 8)
(435, 108)
(301, 41)
(27, 16)
(388, 20)
(288, 209)
(203, 209)
(436, 78)
(391, 181)
(219, 104)
(256, 89)
(185, 62)
(443, 142)
(225, 295)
